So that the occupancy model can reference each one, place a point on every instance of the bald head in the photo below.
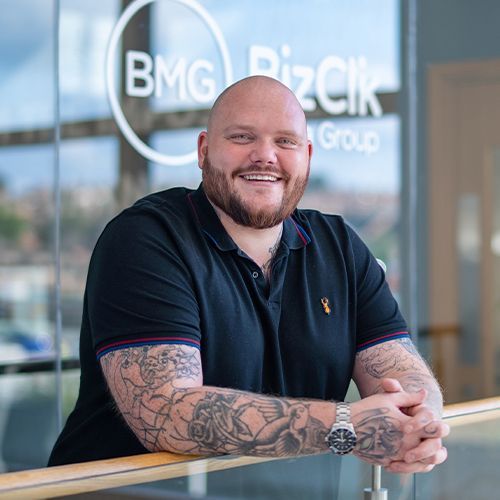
(256, 91)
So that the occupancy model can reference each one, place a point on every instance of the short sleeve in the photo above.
(139, 290)
(378, 318)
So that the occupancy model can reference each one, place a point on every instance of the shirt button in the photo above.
(255, 274)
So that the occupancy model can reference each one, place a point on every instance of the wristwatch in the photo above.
(342, 438)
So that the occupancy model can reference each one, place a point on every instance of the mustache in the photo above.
(259, 169)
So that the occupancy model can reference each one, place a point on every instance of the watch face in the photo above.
(342, 441)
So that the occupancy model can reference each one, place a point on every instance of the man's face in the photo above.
(255, 157)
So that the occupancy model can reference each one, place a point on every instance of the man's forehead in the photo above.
(253, 93)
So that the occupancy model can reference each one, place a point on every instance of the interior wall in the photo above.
(447, 31)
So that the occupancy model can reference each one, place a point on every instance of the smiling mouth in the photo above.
(260, 177)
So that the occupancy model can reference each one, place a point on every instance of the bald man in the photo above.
(224, 320)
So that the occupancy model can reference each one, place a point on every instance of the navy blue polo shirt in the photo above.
(165, 271)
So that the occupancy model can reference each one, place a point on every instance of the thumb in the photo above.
(390, 385)
(406, 399)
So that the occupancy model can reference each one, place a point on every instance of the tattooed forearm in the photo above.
(399, 360)
(388, 357)
(225, 421)
(159, 393)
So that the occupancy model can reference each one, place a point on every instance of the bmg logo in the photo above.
(187, 78)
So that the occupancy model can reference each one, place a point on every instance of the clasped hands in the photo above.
(399, 430)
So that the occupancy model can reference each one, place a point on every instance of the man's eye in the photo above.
(240, 137)
(286, 142)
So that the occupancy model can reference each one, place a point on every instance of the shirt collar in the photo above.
(294, 235)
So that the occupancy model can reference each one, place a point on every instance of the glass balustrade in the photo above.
(471, 472)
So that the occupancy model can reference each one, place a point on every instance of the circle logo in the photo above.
(140, 146)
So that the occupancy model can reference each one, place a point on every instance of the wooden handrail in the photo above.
(471, 407)
(112, 473)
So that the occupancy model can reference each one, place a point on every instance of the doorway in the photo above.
(464, 227)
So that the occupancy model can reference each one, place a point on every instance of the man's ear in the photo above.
(202, 147)
(310, 149)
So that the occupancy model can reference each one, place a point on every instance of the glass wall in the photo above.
(101, 103)
(127, 87)
(28, 406)
(27, 120)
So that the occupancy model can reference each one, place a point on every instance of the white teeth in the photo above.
(256, 177)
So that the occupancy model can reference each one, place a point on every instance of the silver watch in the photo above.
(342, 438)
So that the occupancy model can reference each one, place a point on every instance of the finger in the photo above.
(404, 468)
(421, 416)
(437, 458)
(437, 428)
(405, 399)
(433, 429)
(428, 449)
(391, 385)
(420, 466)
(413, 410)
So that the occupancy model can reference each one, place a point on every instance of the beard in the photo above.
(219, 191)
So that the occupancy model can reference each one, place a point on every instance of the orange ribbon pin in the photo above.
(326, 305)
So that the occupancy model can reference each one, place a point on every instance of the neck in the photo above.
(259, 244)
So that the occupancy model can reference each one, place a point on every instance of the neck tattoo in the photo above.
(266, 267)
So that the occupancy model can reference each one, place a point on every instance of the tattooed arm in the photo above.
(159, 391)
(400, 360)
(396, 366)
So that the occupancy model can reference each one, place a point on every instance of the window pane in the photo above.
(28, 420)
(27, 90)
(85, 27)
(89, 174)
(26, 252)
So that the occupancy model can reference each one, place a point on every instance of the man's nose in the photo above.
(263, 152)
